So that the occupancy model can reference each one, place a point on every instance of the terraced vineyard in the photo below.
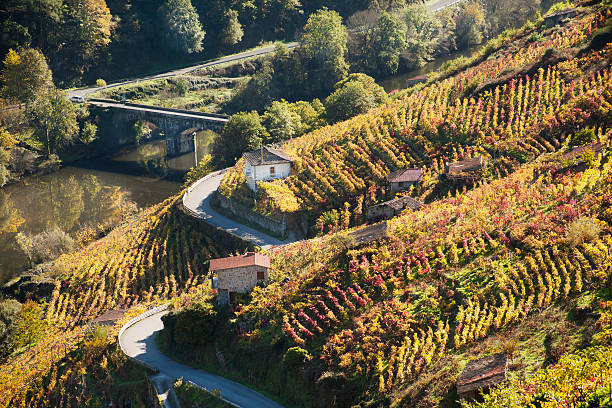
(509, 123)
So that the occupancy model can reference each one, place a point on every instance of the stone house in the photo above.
(391, 208)
(239, 274)
(577, 152)
(108, 318)
(403, 179)
(266, 164)
(481, 374)
(470, 170)
(557, 18)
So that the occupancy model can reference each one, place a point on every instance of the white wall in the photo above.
(262, 173)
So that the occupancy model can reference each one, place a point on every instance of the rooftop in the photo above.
(370, 233)
(406, 175)
(483, 372)
(400, 203)
(472, 164)
(580, 150)
(110, 316)
(266, 155)
(240, 261)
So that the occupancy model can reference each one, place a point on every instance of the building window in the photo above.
(272, 171)
(260, 275)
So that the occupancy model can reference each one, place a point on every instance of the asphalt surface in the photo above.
(432, 7)
(138, 341)
(197, 201)
(182, 71)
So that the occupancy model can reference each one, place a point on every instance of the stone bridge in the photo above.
(172, 122)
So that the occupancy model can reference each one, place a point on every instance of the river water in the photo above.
(92, 193)
(399, 81)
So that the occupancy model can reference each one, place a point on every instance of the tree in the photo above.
(422, 30)
(54, 119)
(88, 25)
(184, 31)
(242, 132)
(231, 33)
(25, 75)
(281, 122)
(257, 92)
(469, 25)
(504, 14)
(389, 42)
(355, 95)
(322, 50)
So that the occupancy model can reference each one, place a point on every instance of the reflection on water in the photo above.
(400, 81)
(71, 199)
(151, 157)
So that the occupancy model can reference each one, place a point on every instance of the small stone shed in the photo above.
(239, 274)
(108, 318)
(482, 373)
(391, 208)
(558, 17)
(577, 152)
(403, 179)
(469, 170)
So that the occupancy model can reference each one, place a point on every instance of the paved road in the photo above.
(138, 341)
(433, 7)
(197, 201)
(440, 4)
(183, 71)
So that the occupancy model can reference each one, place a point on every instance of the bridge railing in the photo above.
(160, 108)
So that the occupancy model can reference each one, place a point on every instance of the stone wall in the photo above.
(241, 280)
(278, 228)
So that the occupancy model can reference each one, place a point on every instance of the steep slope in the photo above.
(499, 109)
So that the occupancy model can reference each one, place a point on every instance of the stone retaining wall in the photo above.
(278, 228)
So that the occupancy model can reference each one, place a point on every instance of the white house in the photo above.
(266, 164)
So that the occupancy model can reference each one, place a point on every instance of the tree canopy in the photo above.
(54, 119)
(184, 31)
(322, 50)
(243, 132)
(25, 74)
(355, 95)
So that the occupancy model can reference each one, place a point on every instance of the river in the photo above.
(87, 194)
(399, 81)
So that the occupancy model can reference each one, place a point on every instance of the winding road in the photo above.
(138, 342)
(197, 201)
(433, 7)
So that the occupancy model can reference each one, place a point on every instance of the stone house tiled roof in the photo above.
(482, 373)
(579, 151)
(248, 259)
(266, 155)
(464, 166)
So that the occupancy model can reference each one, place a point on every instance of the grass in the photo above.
(191, 396)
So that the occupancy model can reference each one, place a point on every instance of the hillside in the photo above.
(502, 108)
(518, 263)
(159, 255)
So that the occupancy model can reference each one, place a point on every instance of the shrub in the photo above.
(195, 324)
(582, 230)
(295, 357)
(182, 86)
(100, 83)
(45, 246)
(583, 137)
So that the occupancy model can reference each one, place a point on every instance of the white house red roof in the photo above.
(248, 259)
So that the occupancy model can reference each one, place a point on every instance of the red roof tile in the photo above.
(248, 259)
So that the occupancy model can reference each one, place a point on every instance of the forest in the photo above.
(517, 262)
